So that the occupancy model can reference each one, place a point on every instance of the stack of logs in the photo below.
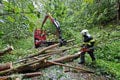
(37, 61)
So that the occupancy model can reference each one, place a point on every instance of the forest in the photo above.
(20, 59)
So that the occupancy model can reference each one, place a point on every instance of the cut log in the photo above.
(51, 52)
(64, 49)
(26, 75)
(6, 50)
(22, 68)
(78, 68)
(5, 66)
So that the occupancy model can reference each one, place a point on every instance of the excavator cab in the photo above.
(40, 35)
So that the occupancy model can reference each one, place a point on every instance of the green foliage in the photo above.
(20, 18)
(22, 48)
(110, 51)
(17, 17)
(109, 68)
(78, 14)
(58, 10)
(108, 44)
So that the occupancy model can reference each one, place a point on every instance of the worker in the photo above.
(88, 45)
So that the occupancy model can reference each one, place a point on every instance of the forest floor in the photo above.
(65, 73)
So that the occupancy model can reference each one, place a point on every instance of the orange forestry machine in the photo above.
(40, 35)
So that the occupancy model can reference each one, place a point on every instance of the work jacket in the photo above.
(88, 41)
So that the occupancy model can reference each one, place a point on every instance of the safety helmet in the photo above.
(84, 32)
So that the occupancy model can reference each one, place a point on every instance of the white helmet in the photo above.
(84, 32)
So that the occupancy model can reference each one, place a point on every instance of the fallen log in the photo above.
(23, 76)
(22, 68)
(5, 66)
(78, 68)
(51, 52)
(6, 50)
(41, 51)
(63, 49)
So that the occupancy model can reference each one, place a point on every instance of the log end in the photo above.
(6, 66)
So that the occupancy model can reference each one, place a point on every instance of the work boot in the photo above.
(93, 64)
(93, 59)
(82, 58)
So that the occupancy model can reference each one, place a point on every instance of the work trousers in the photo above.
(82, 57)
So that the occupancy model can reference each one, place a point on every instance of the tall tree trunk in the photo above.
(118, 11)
